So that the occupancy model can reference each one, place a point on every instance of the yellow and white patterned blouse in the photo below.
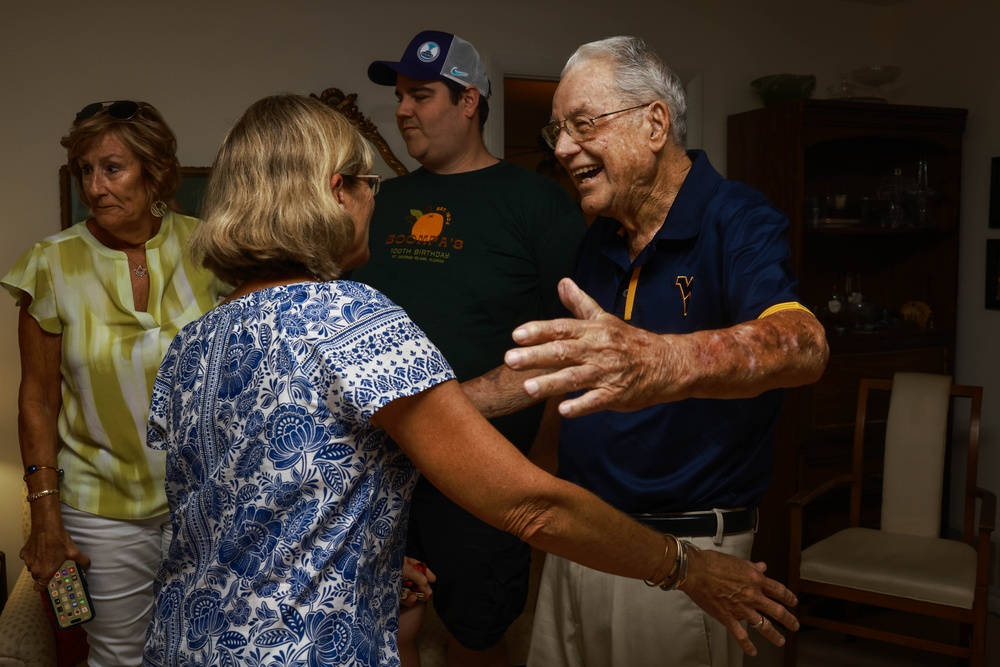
(81, 290)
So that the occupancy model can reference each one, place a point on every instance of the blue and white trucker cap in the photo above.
(432, 56)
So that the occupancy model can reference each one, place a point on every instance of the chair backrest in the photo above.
(915, 442)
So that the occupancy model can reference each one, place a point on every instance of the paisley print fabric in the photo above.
(288, 506)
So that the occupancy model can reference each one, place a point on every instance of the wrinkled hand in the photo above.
(621, 366)
(45, 552)
(734, 590)
(422, 577)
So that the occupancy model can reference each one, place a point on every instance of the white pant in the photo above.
(124, 558)
(588, 618)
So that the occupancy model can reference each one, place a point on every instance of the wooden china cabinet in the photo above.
(872, 193)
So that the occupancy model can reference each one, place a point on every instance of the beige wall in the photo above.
(202, 63)
(957, 57)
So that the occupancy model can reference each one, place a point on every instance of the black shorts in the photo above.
(482, 573)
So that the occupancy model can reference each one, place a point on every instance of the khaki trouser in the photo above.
(586, 618)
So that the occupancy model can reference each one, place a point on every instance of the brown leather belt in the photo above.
(701, 524)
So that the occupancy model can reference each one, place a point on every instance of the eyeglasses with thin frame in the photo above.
(374, 181)
(120, 110)
(579, 127)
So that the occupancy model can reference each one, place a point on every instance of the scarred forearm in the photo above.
(500, 391)
(622, 367)
(786, 349)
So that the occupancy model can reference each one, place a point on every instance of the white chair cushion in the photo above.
(909, 566)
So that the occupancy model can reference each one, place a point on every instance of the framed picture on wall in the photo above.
(993, 274)
(995, 193)
(187, 200)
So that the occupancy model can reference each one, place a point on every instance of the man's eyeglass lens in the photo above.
(120, 110)
(578, 127)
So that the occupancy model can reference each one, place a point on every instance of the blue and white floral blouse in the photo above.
(288, 506)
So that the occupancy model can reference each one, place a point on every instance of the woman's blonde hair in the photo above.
(269, 209)
(145, 133)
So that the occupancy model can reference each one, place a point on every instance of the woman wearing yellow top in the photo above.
(100, 303)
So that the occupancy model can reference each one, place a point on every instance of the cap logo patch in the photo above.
(457, 72)
(429, 52)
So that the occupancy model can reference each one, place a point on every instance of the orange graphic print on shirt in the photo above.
(428, 225)
(427, 238)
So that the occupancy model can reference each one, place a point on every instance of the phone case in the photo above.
(69, 596)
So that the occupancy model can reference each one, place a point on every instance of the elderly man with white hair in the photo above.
(687, 328)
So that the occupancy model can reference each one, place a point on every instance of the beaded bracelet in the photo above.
(32, 497)
(31, 470)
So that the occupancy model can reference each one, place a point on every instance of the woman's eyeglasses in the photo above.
(374, 181)
(120, 110)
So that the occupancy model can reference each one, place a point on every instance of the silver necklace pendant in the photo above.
(140, 271)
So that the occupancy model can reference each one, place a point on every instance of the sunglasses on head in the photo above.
(121, 110)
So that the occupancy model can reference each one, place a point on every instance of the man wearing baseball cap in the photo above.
(435, 56)
(471, 246)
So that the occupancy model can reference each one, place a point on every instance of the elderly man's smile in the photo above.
(585, 174)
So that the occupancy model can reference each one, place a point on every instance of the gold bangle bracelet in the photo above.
(683, 573)
(32, 497)
(673, 570)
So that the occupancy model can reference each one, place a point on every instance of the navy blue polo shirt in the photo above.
(720, 258)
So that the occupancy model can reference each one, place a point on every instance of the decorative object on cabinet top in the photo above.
(778, 88)
(875, 77)
(847, 90)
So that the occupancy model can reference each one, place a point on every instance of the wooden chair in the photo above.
(904, 565)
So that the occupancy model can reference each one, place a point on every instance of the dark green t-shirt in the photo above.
(470, 257)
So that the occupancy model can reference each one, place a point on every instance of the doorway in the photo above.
(527, 108)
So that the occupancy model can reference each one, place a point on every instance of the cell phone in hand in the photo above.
(410, 586)
(69, 596)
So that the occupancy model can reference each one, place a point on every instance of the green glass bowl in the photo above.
(778, 88)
